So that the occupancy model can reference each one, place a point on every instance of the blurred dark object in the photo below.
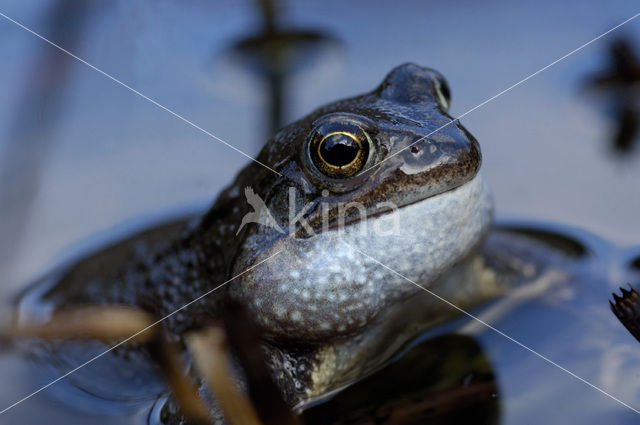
(444, 380)
(627, 309)
(627, 128)
(621, 81)
(30, 137)
(276, 53)
(624, 66)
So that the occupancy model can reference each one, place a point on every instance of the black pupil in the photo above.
(339, 149)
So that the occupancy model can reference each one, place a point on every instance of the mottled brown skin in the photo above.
(406, 108)
(402, 110)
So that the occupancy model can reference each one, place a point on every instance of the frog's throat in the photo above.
(321, 289)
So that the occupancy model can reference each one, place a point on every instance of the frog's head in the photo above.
(421, 208)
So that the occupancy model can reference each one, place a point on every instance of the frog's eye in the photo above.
(339, 153)
(442, 90)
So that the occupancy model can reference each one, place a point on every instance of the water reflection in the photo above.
(448, 379)
(444, 380)
(410, 45)
(275, 53)
(563, 242)
(619, 83)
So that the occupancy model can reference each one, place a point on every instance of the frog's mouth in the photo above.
(415, 207)
(357, 213)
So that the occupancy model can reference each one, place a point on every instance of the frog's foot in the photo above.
(627, 309)
(120, 325)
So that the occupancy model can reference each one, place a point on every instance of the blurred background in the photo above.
(81, 155)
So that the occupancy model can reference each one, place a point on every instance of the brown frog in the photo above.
(356, 198)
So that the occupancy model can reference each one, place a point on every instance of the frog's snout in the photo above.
(411, 83)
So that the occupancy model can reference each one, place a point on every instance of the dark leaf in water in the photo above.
(627, 309)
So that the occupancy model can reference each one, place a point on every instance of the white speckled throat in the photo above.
(320, 287)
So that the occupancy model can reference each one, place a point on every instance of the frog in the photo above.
(341, 240)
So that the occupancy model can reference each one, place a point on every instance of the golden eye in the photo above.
(339, 154)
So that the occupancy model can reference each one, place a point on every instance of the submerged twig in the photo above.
(247, 345)
(106, 324)
(209, 349)
(167, 354)
(114, 323)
